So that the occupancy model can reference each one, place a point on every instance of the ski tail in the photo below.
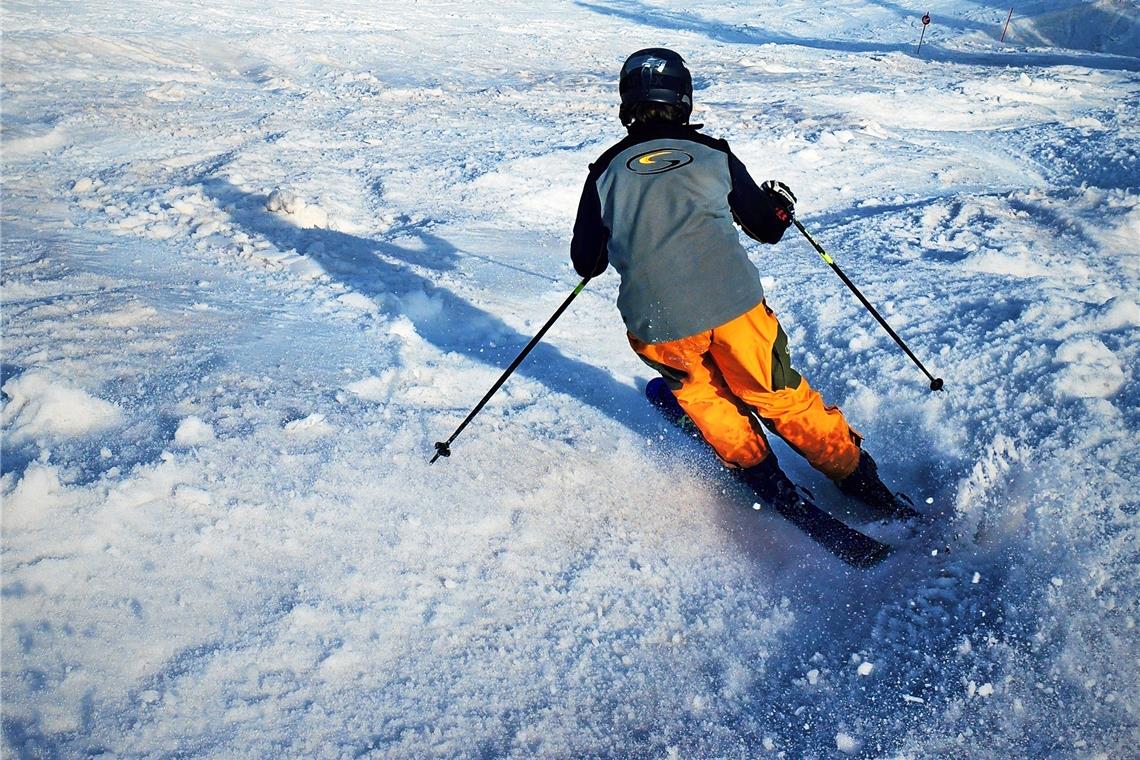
(661, 396)
(850, 545)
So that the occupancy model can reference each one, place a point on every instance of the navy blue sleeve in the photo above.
(588, 248)
(755, 211)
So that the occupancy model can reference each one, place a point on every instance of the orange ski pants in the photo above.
(718, 374)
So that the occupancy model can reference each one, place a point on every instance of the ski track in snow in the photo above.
(255, 263)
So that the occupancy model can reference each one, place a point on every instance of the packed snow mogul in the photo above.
(659, 206)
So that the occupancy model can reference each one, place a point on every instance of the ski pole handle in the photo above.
(935, 382)
(443, 448)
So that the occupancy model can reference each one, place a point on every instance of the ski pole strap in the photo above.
(443, 448)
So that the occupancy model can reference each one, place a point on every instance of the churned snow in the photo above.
(258, 260)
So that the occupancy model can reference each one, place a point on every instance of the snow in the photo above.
(1093, 369)
(846, 744)
(297, 210)
(256, 263)
(40, 405)
(1106, 26)
(192, 431)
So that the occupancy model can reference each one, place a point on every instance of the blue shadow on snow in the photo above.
(681, 21)
(383, 270)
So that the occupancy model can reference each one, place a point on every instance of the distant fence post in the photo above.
(1006, 29)
(925, 23)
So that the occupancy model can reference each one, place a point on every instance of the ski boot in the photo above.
(794, 503)
(770, 483)
(866, 486)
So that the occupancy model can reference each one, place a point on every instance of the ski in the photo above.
(848, 544)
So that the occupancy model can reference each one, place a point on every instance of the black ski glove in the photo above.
(781, 195)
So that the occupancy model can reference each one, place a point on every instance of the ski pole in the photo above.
(935, 382)
(443, 448)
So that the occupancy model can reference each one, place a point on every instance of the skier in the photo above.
(660, 206)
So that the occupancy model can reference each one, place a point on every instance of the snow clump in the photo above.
(846, 743)
(41, 405)
(1094, 371)
(303, 214)
(192, 431)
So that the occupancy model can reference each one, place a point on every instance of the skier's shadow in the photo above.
(387, 274)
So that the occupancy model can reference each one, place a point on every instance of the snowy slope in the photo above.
(257, 259)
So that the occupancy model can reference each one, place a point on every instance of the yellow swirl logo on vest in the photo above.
(658, 161)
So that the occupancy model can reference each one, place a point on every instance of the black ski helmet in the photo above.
(655, 75)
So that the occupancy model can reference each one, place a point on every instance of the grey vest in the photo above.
(672, 239)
